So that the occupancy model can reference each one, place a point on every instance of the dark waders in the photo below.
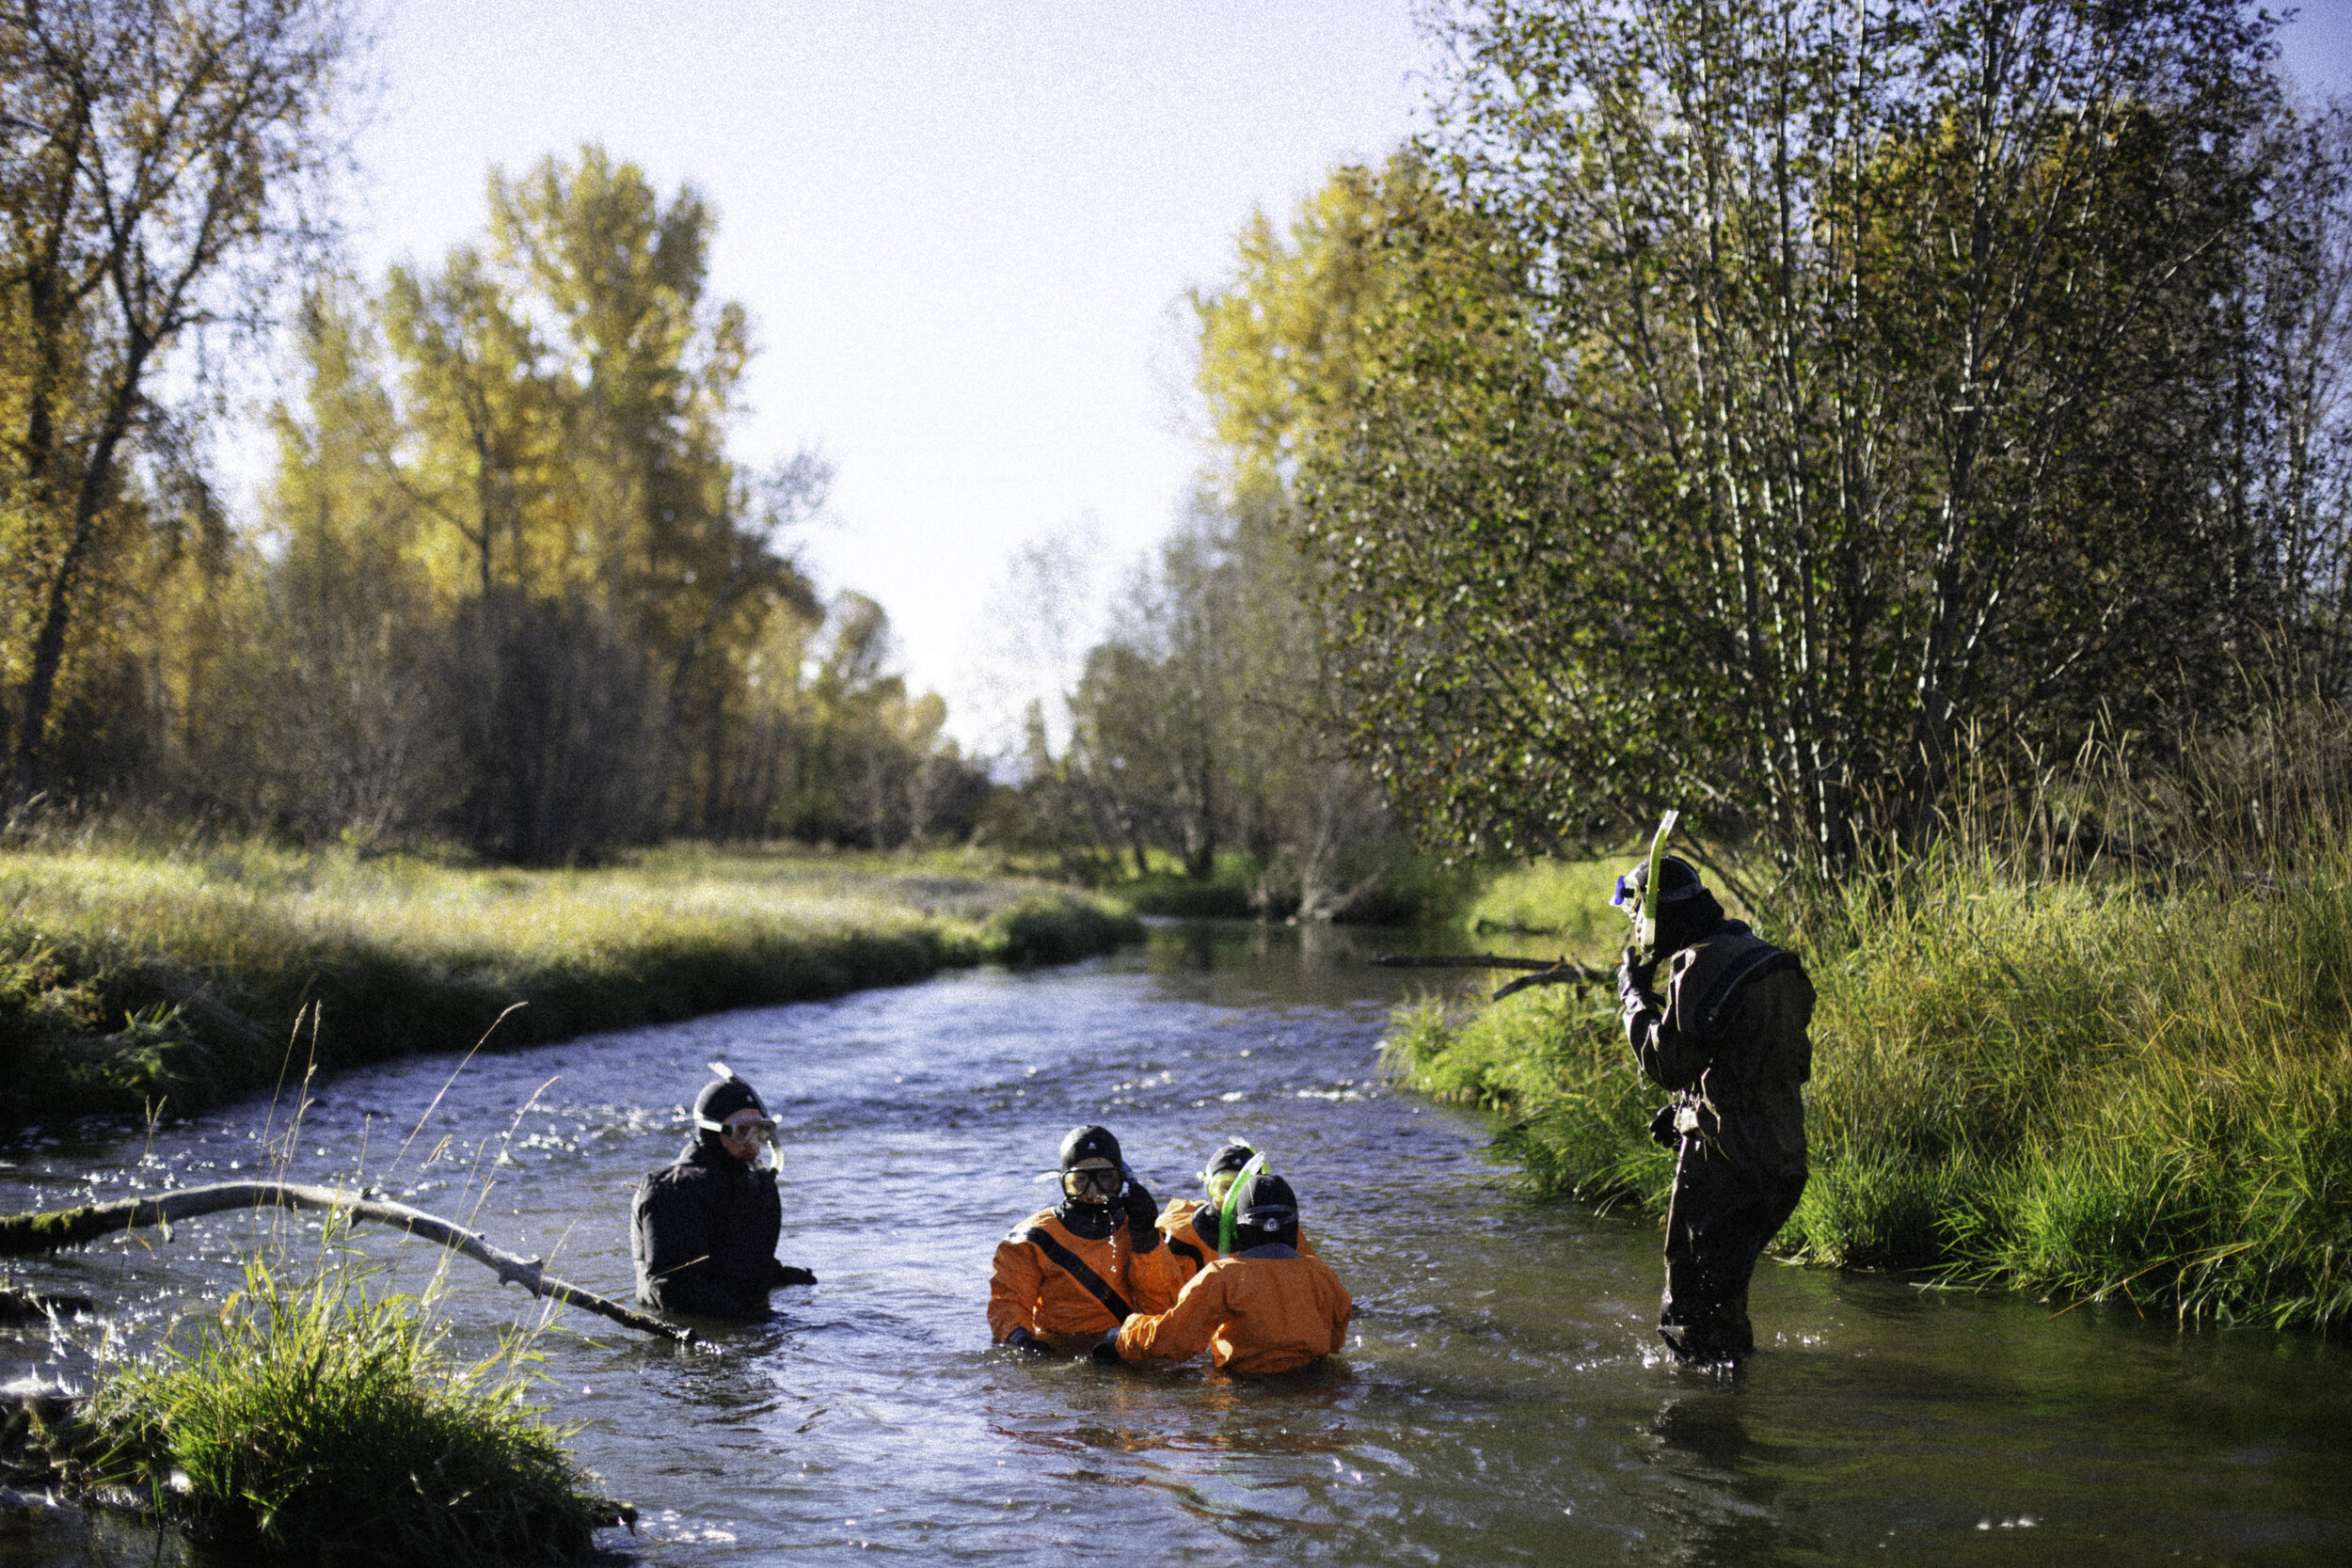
(1717, 1225)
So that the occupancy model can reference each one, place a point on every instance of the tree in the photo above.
(328, 719)
(151, 151)
(482, 421)
(1204, 722)
(1758, 398)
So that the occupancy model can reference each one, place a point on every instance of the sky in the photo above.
(964, 230)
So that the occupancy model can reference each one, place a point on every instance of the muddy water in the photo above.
(1500, 1400)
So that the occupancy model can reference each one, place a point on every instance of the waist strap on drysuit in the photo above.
(1078, 1269)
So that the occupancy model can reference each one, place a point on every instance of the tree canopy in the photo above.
(1756, 406)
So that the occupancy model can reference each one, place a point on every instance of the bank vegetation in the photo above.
(2109, 1065)
(176, 972)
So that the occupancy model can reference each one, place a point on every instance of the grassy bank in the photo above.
(1389, 889)
(316, 1423)
(2093, 1090)
(128, 974)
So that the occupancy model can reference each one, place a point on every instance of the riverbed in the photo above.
(1502, 1400)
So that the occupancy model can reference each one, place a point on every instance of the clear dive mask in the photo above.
(1093, 1184)
(760, 1131)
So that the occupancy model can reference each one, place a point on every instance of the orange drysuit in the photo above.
(1189, 1229)
(1034, 1288)
(1266, 1310)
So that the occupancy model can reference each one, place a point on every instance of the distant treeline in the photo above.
(1199, 752)
(510, 586)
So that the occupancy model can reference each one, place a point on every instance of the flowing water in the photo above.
(1500, 1400)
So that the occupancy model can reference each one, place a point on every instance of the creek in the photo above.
(1502, 1398)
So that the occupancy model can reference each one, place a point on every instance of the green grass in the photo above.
(1564, 898)
(132, 973)
(2093, 1089)
(1408, 889)
(322, 1424)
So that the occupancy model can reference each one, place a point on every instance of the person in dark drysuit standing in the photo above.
(703, 1229)
(1730, 1038)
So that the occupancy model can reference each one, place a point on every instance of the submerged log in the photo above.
(22, 1235)
(17, 1304)
(1549, 972)
(1563, 974)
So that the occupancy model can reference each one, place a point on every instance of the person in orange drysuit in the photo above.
(1193, 1229)
(1265, 1307)
(1070, 1274)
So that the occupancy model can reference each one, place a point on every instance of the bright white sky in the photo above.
(961, 226)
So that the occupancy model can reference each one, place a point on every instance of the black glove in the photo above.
(1106, 1350)
(1633, 978)
(1021, 1339)
(790, 1275)
(1143, 1216)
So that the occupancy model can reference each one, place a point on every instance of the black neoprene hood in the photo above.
(1090, 1143)
(723, 1098)
(1231, 1157)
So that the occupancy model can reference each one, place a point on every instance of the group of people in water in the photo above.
(1106, 1272)
(1103, 1271)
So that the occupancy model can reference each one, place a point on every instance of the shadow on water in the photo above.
(1502, 1399)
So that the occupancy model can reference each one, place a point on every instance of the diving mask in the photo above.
(1093, 1184)
(742, 1129)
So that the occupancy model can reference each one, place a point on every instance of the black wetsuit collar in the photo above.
(1091, 1222)
(711, 1156)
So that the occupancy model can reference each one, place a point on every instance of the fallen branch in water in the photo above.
(24, 1234)
(1562, 973)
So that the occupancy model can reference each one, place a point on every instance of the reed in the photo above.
(132, 973)
(322, 1423)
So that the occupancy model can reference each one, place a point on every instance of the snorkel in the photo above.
(1233, 1194)
(1647, 933)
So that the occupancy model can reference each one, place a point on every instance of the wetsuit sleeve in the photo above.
(1669, 1056)
(1185, 1330)
(1153, 1279)
(1013, 1287)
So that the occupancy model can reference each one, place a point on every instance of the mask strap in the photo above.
(1225, 1209)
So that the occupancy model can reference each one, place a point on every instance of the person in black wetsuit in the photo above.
(1729, 1036)
(703, 1231)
